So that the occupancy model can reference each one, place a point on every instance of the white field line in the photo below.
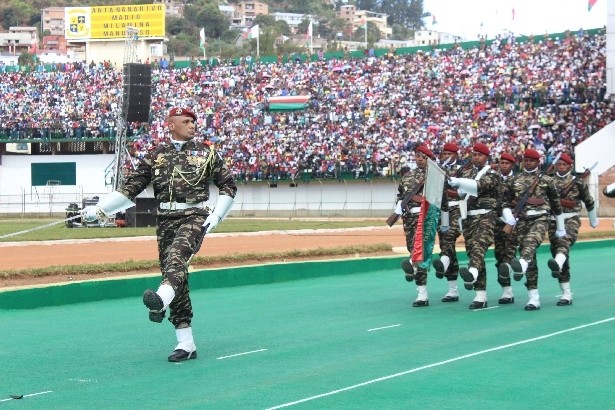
(487, 308)
(383, 327)
(28, 395)
(429, 366)
(240, 354)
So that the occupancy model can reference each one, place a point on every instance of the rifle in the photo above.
(569, 203)
(391, 220)
(528, 192)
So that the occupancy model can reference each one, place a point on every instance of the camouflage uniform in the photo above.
(410, 215)
(571, 204)
(505, 246)
(533, 222)
(447, 239)
(479, 225)
(180, 177)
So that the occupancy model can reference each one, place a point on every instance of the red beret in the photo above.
(506, 156)
(181, 112)
(482, 148)
(566, 158)
(532, 153)
(450, 147)
(425, 151)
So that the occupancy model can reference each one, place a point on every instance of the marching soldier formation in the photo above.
(491, 204)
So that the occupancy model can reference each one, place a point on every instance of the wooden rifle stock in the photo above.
(392, 220)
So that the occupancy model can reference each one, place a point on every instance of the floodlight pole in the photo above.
(121, 147)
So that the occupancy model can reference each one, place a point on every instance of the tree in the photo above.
(373, 33)
(264, 20)
(400, 32)
(176, 25)
(26, 58)
(18, 13)
(283, 27)
(208, 17)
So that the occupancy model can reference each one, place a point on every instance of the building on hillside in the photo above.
(19, 40)
(347, 13)
(246, 11)
(228, 11)
(172, 8)
(432, 37)
(394, 44)
(293, 19)
(52, 21)
(377, 19)
(54, 43)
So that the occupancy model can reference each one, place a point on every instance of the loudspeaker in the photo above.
(139, 74)
(137, 96)
(143, 214)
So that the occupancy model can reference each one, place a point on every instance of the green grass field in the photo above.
(59, 231)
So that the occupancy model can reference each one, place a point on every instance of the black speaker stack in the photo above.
(137, 92)
(143, 214)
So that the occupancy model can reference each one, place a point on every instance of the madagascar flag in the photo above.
(590, 4)
(289, 102)
(427, 226)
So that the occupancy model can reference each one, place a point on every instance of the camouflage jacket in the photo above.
(545, 196)
(488, 188)
(408, 183)
(577, 193)
(182, 176)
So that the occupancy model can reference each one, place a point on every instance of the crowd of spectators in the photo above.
(364, 117)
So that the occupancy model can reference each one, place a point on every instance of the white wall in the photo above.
(316, 198)
(15, 172)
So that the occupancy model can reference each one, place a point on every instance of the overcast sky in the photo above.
(464, 17)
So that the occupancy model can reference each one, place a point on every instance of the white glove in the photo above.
(560, 225)
(222, 208)
(444, 222)
(398, 209)
(468, 186)
(593, 218)
(508, 217)
(454, 182)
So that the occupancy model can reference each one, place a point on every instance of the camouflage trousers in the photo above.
(563, 245)
(410, 223)
(505, 248)
(447, 242)
(530, 234)
(478, 236)
(177, 237)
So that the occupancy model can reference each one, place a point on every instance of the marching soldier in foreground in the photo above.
(447, 265)
(531, 222)
(180, 172)
(480, 187)
(573, 191)
(505, 246)
(409, 194)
